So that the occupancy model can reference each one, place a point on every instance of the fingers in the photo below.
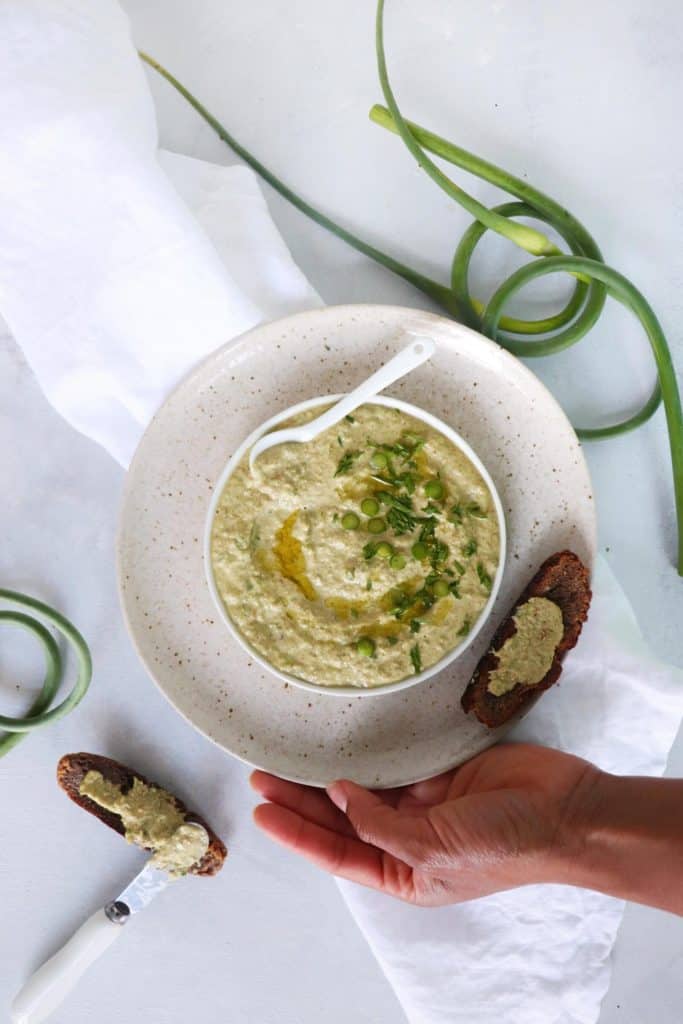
(406, 836)
(349, 810)
(312, 804)
(342, 855)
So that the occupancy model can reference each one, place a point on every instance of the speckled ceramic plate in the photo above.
(490, 398)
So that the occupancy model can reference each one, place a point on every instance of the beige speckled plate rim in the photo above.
(435, 322)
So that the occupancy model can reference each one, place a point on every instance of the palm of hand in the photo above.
(490, 825)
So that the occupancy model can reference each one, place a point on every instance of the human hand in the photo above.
(509, 817)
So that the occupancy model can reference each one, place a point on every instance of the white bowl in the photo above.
(355, 691)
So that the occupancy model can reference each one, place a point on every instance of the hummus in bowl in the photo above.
(363, 561)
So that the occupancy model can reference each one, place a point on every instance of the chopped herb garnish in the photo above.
(393, 449)
(470, 548)
(254, 536)
(414, 441)
(416, 658)
(459, 566)
(408, 482)
(405, 448)
(484, 578)
(354, 613)
(402, 602)
(427, 530)
(349, 419)
(339, 441)
(425, 597)
(464, 629)
(454, 588)
(368, 585)
(402, 501)
(455, 515)
(370, 550)
(400, 520)
(392, 640)
(431, 509)
(415, 625)
(346, 461)
(439, 552)
(458, 512)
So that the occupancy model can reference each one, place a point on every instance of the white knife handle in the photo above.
(51, 983)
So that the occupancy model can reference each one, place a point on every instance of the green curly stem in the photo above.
(593, 279)
(666, 388)
(526, 238)
(40, 712)
(440, 293)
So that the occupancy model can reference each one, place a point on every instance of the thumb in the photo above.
(377, 822)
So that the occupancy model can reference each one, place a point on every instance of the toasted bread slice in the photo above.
(564, 579)
(73, 768)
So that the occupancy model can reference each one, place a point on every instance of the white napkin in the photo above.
(112, 286)
(120, 267)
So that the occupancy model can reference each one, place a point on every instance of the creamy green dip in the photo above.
(360, 557)
(183, 849)
(528, 654)
(151, 819)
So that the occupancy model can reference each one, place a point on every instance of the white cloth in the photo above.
(120, 267)
(112, 286)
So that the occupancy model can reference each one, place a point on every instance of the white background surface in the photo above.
(585, 99)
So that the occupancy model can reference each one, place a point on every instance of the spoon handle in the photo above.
(409, 358)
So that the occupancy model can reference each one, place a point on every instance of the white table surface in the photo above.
(585, 101)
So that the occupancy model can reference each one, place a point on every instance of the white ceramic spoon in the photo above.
(409, 358)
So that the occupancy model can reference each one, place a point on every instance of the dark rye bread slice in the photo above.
(73, 768)
(564, 579)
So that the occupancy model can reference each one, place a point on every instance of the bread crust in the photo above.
(563, 579)
(72, 769)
